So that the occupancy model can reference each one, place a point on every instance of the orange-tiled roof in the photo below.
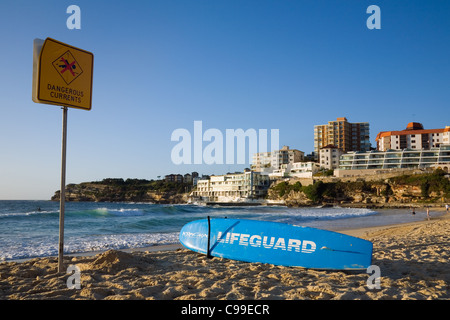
(407, 132)
(414, 126)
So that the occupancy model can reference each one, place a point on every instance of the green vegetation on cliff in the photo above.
(113, 189)
(146, 185)
(435, 182)
(418, 188)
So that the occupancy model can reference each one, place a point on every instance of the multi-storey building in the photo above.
(413, 137)
(187, 178)
(174, 178)
(262, 162)
(397, 159)
(232, 187)
(269, 161)
(303, 169)
(342, 134)
(329, 157)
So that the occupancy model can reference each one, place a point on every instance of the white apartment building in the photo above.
(296, 169)
(304, 169)
(262, 162)
(397, 159)
(413, 137)
(329, 157)
(271, 161)
(284, 163)
(232, 187)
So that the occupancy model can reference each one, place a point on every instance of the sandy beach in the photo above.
(413, 261)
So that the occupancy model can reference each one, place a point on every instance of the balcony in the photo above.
(391, 166)
(428, 160)
(411, 155)
(393, 161)
(372, 161)
(430, 154)
(411, 161)
(393, 155)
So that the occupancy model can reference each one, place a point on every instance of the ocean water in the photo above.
(31, 228)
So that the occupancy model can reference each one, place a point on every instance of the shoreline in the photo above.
(359, 232)
(412, 258)
(266, 202)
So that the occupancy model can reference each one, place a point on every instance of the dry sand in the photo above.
(413, 260)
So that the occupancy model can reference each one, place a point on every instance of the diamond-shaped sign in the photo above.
(67, 67)
(62, 74)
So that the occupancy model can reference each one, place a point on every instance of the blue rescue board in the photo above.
(277, 243)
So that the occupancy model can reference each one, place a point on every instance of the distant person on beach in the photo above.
(446, 207)
(413, 211)
(428, 212)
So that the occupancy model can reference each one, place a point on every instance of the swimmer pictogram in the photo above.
(67, 67)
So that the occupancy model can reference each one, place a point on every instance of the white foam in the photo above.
(24, 214)
(300, 215)
(49, 247)
(119, 211)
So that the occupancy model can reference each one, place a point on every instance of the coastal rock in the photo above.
(424, 189)
(118, 190)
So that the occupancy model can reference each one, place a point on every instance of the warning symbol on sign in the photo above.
(67, 67)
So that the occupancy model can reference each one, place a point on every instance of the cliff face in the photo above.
(117, 190)
(429, 189)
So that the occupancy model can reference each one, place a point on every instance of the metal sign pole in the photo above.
(62, 195)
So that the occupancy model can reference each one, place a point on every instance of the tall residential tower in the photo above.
(342, 134)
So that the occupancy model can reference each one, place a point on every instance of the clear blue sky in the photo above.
(160, 65)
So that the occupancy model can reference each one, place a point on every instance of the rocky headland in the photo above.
(428, 189)
(431, 189)
(130, 190)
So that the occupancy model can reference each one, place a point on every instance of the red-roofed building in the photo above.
(413, 137)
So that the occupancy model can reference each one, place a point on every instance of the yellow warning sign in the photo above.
(62, 74)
